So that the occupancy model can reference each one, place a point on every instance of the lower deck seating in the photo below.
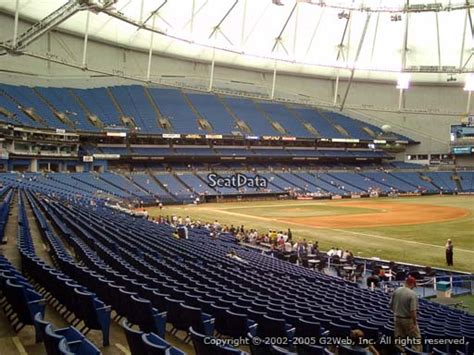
(186, 186)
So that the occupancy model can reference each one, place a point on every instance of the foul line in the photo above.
(335, 230)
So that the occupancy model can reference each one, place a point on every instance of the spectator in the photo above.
(449, 252)
(373, 279)
(359, 343)
(404, 305)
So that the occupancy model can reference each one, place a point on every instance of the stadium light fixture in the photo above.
(469, 84)
(403, 81)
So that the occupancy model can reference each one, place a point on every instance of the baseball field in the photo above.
(408, 229)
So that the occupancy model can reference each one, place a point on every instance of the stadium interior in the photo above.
(235, 177)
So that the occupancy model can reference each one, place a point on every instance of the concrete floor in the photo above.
(23, 342)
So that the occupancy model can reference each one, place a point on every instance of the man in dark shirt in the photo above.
(373, 279)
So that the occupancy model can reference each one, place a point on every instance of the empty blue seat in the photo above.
(258, 347)
(94, 313)
(134, 338)
(203, 347)
(76, 342)
(194, 318)
(238, 325)
(275, 327)
(154, 345)
(24, 302)
(149, 319)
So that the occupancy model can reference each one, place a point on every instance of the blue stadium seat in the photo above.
(154, 345)
(134, 338)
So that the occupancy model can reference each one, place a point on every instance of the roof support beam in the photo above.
(86, 38)
(336, 88)
(142, 8)
(150, 51)
(279, 37)
(218, 26)
(152, 14)
(191, 25)
(359, 48)
(54, 19)
(472, 36)
(256, 23)
(463, 41)
(437, 39)
(190, 22)
(405, 42)
(313, 36)
(375, 38)
(244, 19)
(295, 33)
(272, 95)
(468, 106)
(341, 43)
(15, 26)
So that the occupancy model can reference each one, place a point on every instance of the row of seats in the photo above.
(66, 295)
(182, 110)
(170, 187)
(235, 152)
(7, 195)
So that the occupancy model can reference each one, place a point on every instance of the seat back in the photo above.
(271, 327)
(193, 317)
(86, 309)
(134, 338)
(64, 348)
(40, 326)
(236, 324)
(174, 315)
(306, 328)
(141, 313)
(52, 340)
(260, 349)
(154, 345)
(198, 343)
(220, 316)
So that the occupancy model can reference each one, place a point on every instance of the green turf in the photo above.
(303, 210)
(420, 244)
(467, 301)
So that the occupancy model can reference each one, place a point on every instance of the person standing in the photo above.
(404, 305)
(449, 252)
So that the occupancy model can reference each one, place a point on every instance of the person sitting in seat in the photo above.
(360, 343)
(373, 279)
